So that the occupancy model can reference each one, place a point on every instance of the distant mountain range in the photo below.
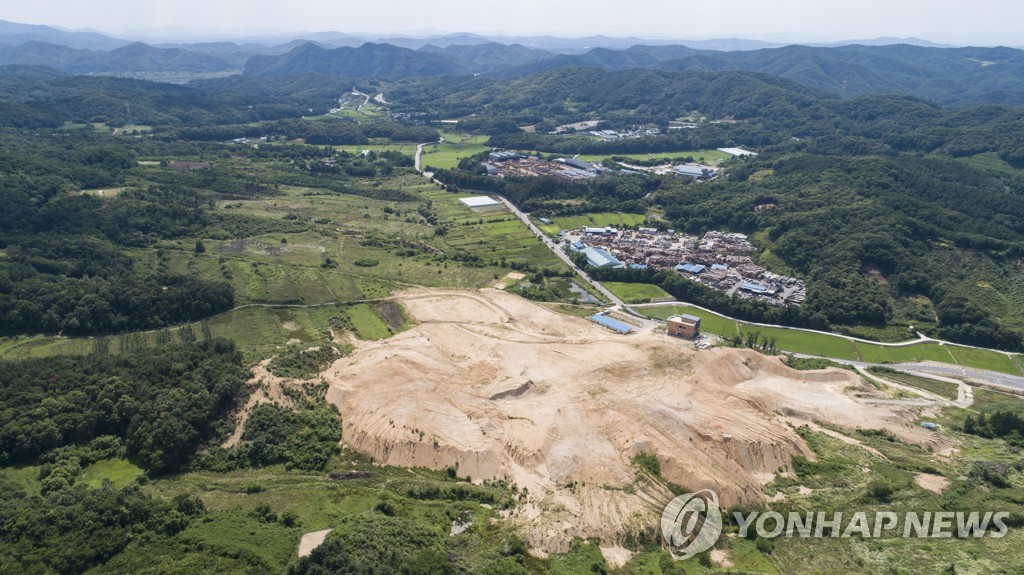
(948, 76)
(13, 34)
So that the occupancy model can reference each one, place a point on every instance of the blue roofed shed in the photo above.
(754, 288)
(611, 323)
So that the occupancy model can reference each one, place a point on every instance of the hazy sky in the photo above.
(982, 22)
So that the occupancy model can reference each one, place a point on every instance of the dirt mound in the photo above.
(503, 388)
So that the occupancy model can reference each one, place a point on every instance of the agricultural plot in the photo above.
(353, 251)
(464, 139)
(983, 359)
(366, 323)
(798, 341)
(367, 112)
(408, 149)
(918, 352)
(493, 236)
(446, 156)
(636, 293)
(599, 220)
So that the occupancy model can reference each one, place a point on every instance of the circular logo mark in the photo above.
(691, 523)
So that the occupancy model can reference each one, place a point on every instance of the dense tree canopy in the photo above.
(162, 402)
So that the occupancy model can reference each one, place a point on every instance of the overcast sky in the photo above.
(980, 22)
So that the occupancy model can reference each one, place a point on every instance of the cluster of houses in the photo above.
(719, 260)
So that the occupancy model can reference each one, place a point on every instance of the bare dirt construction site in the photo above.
(502, 388)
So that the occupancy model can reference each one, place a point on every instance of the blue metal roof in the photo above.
(719, 267)
(610, 323)
(692, 268)
(637, 266)
(600, 258)
(756, 288)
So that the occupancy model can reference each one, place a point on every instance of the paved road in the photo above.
(616, 302)
(419, 156)
(960, 372)
(365, 102)
(941, 372)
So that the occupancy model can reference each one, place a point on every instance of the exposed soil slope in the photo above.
(503, 388)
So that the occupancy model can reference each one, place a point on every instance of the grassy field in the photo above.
(990, 161)
(464, 139)
(983, 359)
(408, 149)
(597, 220)
(289, 268)
(919, 352)
(805, 342)
(636, 293)
(366, 323)
(367, 112)
(258, 331)
(117, 471)
(447, 156)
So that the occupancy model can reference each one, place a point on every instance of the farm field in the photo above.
(984, 359)
(636, 293)
(598, 220)
(367, 112)
(317, 267)
(798, 341)
(446, 156)
(918, 352)
(464, 139)
(406, 148)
